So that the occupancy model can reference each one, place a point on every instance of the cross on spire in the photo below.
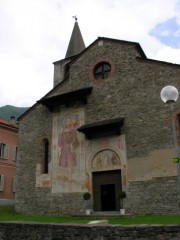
(75, 17)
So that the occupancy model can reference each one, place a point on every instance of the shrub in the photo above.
(86, 196)
(122, 195)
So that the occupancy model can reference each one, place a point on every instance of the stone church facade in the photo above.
(102, 128)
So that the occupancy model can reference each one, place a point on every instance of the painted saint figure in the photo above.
(68, 143)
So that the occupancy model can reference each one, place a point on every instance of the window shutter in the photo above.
(1, 150)
(15, 153)
(14, 184)
(6, 153)
(1, 182)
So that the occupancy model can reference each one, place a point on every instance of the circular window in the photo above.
(102, 70)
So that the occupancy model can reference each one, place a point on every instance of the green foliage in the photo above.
(122, 195)
(9, 214)
(7, 111)
(146, 219)
(176, 159)
(86, 196)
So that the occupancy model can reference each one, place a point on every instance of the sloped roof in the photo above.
(158, 62)
(136, 44)
(76, 43)
(8, 124)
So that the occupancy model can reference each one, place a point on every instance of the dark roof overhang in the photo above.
(67, 98)
(102, 128)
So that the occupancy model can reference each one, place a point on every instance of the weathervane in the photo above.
(75, 17)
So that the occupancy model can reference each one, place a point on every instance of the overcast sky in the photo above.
(36, 33)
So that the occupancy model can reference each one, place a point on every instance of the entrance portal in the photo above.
(108, 200)
(106, 190)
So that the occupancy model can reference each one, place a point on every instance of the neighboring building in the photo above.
(103, 128)
(8, 156)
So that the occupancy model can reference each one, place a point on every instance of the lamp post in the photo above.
(169, 95)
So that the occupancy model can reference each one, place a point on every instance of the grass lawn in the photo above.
(9, 214)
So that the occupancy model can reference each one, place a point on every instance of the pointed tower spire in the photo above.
(76, 43)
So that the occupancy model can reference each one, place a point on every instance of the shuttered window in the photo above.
(14, 184)
(4, 150)
(1, 183)
(46, 156)
(15, 153)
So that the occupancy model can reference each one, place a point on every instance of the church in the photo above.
(102, 129)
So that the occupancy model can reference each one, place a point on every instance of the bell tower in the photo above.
(76, 46)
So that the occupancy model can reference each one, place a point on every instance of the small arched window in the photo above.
(45, 156)
(66, 71)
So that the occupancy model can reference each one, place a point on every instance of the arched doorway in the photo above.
(106, 180)
(106, 190)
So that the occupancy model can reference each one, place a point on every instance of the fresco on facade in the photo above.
(68, 173)
(74, 158)
(112, 150)
(68, 142)
(105, 160)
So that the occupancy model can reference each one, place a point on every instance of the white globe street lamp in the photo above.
(169, 95)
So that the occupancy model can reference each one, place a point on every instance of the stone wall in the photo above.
(36, 231)
(157, 196)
